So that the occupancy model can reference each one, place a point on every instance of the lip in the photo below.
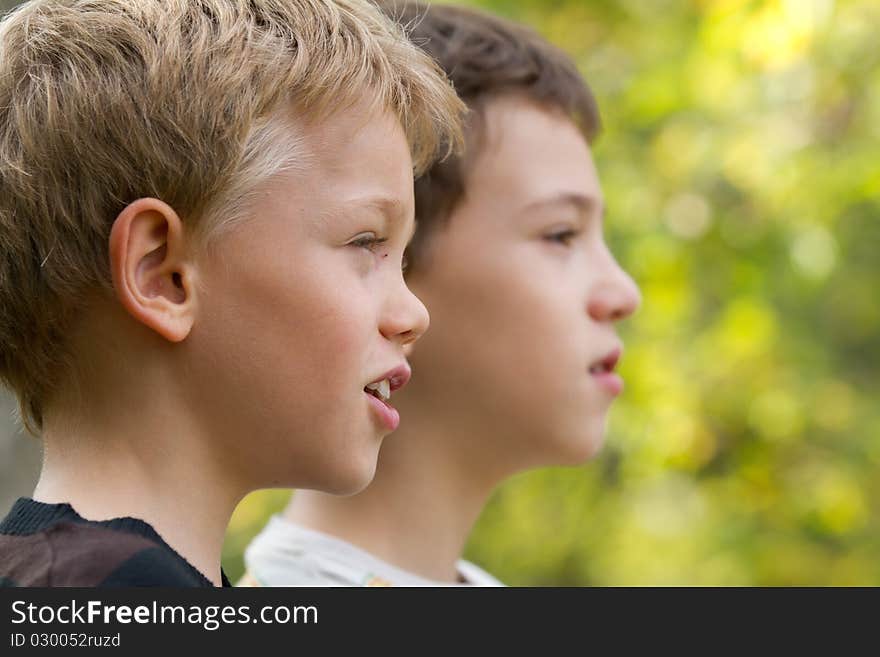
(397, 378)
(609, 379)
(384, 413)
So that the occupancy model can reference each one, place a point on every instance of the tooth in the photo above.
(383, 387)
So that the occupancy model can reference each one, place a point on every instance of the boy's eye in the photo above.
(368, 241)
(563, 237)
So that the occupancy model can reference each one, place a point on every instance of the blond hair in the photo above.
(103, 102)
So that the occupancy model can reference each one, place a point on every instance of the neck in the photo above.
(421, 506)
(147, 465)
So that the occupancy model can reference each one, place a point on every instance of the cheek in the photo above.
(524, 316)
(284, 364)
(331, 329)
(506, 332)
(287, 333)
(507, 353)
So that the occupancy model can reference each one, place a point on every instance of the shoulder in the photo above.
(25, 560)
(154, 566)
(50, 544)
(95, 556)
(285, 554)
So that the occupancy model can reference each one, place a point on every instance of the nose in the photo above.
(615, 296)
(406, 319)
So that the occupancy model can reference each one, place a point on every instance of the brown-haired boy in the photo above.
(517, 370)
(203, 210)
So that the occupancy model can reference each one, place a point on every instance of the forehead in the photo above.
(362, 145)
(528, 153)
(348, 165)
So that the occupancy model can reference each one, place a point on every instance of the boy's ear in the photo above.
(152, 276)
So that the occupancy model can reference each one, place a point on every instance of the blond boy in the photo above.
(203, 210)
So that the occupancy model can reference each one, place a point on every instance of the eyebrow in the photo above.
(390, 208)
(581, 202)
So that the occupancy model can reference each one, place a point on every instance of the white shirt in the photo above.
(286, 554)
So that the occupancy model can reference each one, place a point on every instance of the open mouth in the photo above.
(393, 380)
(603, 372)
(601, 368)
(381, 390)
(607, 364)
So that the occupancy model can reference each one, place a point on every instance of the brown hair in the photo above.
(485, 57)
(103, 102)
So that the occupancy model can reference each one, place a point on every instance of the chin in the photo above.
(576, 454)
(578, 447)
(353, 477)
(348, 474)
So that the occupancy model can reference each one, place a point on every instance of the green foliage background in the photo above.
(741, 161)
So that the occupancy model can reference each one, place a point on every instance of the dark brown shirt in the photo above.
(52, 545)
